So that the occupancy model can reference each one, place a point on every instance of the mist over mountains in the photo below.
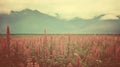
(29, 21)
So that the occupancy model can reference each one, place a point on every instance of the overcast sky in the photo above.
(66, 8)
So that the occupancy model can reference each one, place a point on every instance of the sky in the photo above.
(67, 9)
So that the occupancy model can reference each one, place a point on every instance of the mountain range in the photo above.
(29, 21)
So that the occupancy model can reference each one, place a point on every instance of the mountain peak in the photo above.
(26, 11)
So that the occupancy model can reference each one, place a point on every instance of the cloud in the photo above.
(66, 8)
(109, 16)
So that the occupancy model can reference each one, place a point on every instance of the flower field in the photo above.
(59, 50)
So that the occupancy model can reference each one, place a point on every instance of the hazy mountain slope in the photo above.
(33, 22)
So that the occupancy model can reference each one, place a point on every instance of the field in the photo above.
(59, 50)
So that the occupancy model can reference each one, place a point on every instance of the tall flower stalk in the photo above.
(8, 36)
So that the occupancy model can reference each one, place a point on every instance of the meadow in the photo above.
(59, 50)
